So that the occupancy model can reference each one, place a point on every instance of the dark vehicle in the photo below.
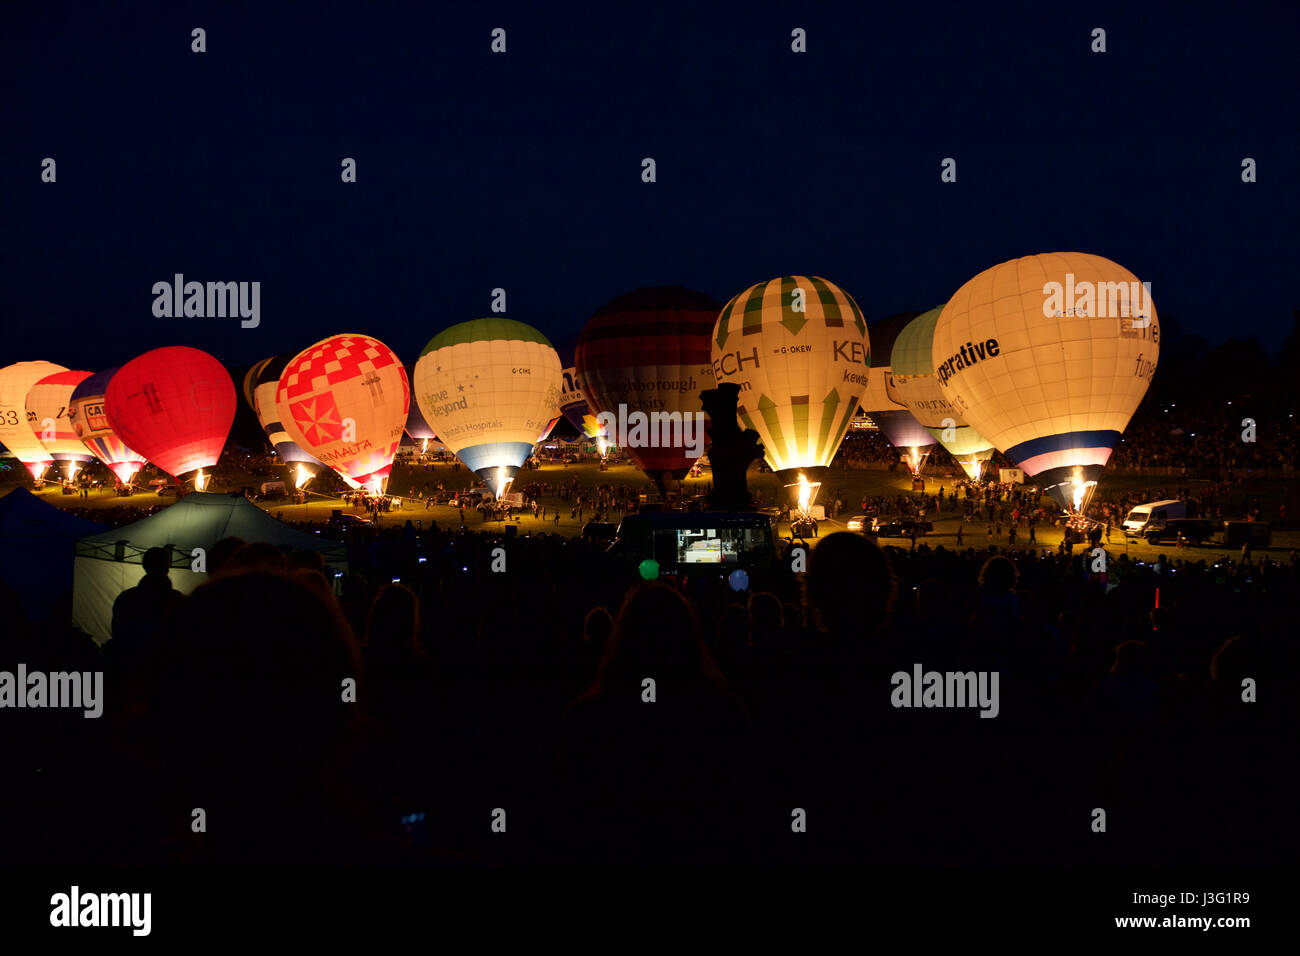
(471, 498)
(1195, 530)
(1258, 534)
(341, 522)
(698, 542)
(901, 528)
(599, 530)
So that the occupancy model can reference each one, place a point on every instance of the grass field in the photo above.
(851, 485)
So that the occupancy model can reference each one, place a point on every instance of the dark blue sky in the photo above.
(523, 170)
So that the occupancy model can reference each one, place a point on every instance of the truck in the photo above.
(1153, 516)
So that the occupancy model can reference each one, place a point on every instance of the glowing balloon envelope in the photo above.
(644, 353)
(16, 422)
(175, 406)
(47, 413)
(261, 385)
(896, 423)
(345, 400)
(489, 387)
(577, 412)
(799, 349)
(913, 384)
(1048, 356)
(90, 424)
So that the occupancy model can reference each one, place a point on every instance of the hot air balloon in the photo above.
(576, 411)
(647, 352)
(15, 420)
(90, 424)
(798, 347)
(489, 387)
(418, 428)
(913, 384)
(1049, 356)
(896, 423)
(260, 387)
(345, 401)
(47, 414)
(173, 405)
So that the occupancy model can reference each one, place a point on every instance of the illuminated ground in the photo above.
(850, 485)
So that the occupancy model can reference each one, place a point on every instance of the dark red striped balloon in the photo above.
(649, 351)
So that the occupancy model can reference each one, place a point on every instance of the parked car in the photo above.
(900, 527)
(342, 522)
(470, 498)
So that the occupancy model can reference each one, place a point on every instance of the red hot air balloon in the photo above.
(174, 406)
(345, 400)
(649, 352)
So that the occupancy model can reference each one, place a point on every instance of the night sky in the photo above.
(523, 170)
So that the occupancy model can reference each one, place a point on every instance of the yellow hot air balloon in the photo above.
(489, 388)
(1048, 356)
(16, 423)
(912, 383)
(798, 348)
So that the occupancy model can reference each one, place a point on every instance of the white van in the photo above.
(1152, 516)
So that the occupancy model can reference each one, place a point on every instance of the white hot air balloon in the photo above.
(912, 383)
(489, 388)
(16, 423)
(1048, 356)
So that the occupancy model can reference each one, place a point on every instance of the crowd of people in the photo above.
(439, 705)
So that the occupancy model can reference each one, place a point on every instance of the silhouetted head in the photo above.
(251, 680)
(156, 562)
(597, 626)
(1131, 657)
(766, 611)
(255, 556)
(998, 574)
(220, 553)
(656, 635)
(850, 584)
(394, 621)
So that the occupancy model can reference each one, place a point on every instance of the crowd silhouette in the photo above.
(462, 716)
